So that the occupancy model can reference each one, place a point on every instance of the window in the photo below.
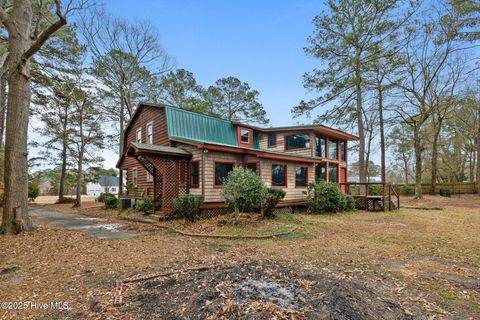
(272, 139)
(149, 177)
(320, 146)
(114, 189)
(194, 174)
(333, 172)
(251, 166)
(139, 136)
(343, 150)
(297, 141)
(332, 149)
(321, 172)
(221, 171)
(134, 176)
(150, 133)
(301, 176)
(245, 135)
(279, 175)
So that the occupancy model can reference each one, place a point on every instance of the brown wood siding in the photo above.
(148, 114)
(280, 146)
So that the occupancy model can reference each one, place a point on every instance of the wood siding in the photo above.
(148, 115)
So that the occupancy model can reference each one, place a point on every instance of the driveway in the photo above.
(83, 223)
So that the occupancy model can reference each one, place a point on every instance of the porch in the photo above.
(373, 196)
(169, 168)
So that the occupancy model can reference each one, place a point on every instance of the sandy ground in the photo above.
(406, 264)
(52, 199)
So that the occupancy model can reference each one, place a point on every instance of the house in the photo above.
(170, 151)
(105, 184)
(44, 186)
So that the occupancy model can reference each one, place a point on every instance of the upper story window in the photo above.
(320, 141)
(272, 139)
(138, 137)
(343, 150)
(245, 136)
(332, 149)
(150, 133)
(297, 141)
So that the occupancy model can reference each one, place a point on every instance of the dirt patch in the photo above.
(258, 290)
(437, 202)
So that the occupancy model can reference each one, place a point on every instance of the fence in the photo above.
(454, 188)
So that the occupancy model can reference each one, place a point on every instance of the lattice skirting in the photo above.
(213, 212)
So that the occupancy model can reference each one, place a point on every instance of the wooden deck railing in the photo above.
(387, 196)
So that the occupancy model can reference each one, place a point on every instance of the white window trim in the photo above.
(150, 124)
(139, 130)
(135, 176)
(248, 136)
(149, 177)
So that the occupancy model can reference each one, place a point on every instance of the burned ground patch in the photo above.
(258, 290)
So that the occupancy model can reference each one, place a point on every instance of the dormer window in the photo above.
(245, 136)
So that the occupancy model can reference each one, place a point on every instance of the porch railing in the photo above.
(385, 194)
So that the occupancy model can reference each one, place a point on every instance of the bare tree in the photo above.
(126, 57)
(26, 35)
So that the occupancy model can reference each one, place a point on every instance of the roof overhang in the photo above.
(142, 148)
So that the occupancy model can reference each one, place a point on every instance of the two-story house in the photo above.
(169, 151)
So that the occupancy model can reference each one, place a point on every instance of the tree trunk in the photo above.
(361, 133)
(418, 162)
(478, 150)
(382, 133)
(120, 147)
(63, 174)
(436, 135)
(78, 197)
(15, 208)
(3, 110)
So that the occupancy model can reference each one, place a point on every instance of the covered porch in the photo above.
(169, 167)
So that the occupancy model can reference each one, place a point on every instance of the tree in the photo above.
(26, 36)
(429, 43)
(53, 103)
(343, 39)
(180, 89)
(234, 100)
(126, 58)
(400, 140)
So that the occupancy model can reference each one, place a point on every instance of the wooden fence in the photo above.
(454, 188)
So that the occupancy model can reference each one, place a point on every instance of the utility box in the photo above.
(126, 203)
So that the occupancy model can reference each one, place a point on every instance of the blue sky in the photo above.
(260, 42)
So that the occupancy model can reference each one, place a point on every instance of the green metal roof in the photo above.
(188, 125)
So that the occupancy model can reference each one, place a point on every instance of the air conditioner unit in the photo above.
(127, 203)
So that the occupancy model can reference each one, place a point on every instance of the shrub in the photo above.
(145, 205)
(33, 191)
(105, 195)
(406, 189)
(274, 196)
(189, 206)
(375, 190)
(327, 197)
(111, 202)
(244, 191)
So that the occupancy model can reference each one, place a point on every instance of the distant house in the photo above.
(44, 187)
(104, 184)
(169, 151)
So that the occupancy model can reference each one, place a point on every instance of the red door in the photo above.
(343, 179)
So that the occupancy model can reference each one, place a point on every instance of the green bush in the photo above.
(274, 196)
(189, 206)
(406, 189)
(327, 197)
(375, 190)
(111, 202)
(145, 205)
(244, 191)
(104, 195)
(33, 191)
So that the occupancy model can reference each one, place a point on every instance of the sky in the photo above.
(259, 42)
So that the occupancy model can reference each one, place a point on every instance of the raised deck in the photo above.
(389, 200)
